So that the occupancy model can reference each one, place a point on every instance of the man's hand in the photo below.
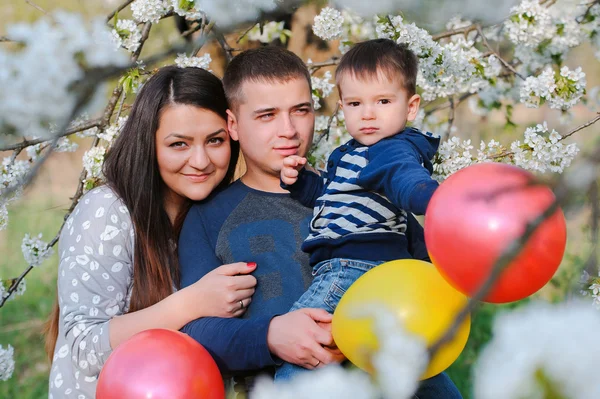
(297, 338)
(333, 349)
(291, 168)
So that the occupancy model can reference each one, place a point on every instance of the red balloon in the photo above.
(160, 364)
(476, 213)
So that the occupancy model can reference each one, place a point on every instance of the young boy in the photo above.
(361, 201)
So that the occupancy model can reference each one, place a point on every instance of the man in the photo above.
(255, 220)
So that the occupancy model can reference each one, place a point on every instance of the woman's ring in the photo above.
(318, 362)
(241, 304)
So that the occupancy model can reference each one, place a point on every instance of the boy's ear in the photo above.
(232, 125)
(413, 107)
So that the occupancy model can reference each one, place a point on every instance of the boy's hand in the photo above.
(291, 167)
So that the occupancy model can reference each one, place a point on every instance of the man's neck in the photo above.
(262, 181)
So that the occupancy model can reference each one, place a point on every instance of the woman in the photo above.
(118, 267)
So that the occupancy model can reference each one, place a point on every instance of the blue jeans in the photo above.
(332, 278)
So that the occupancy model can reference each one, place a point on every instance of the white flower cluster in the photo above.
(187, 9)
(562, 90)
(399, 362)
(328, 24)
(62, 145)
(93, 160)
(529, 24)
(149, 10)
(227, 13)
(444, 69)
(401, 358)
(113, 131)
(35, 251)
(7, 363)
(54, 48)
(541, 351)
(271, 30)
(453, 155)
(543, 150)
(183, 61)
(333, 382)
(12, 172)
(21, 288)
(127, 34)
(591, 287)
(321, 88)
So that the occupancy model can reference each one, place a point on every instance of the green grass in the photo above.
(21, 319)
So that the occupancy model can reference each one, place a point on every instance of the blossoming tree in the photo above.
(489, 60)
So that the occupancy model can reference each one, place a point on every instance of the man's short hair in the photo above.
(269, 64)
(368, 59)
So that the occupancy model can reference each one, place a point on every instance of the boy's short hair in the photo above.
(367, 59)
(268, 64)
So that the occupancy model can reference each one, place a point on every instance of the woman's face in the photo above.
(192, 150)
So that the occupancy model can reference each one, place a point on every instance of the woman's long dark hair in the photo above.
(131, 170)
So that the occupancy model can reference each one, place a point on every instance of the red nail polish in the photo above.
(251, 264)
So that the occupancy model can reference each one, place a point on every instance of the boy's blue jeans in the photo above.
(331, 280)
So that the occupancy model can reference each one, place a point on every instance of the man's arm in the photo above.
(247, 344)
(235, 344)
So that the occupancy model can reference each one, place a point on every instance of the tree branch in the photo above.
(315, 66)
(118, 9)
(572, 132)
(459, 31)
(72, 130)
(32, 4)
(502, 60)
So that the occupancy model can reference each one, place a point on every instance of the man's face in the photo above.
(271, 122)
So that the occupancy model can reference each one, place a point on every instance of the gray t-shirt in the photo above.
(95, 277)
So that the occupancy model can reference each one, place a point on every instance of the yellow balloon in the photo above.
(422, 300)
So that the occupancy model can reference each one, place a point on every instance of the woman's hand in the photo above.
(224, 292)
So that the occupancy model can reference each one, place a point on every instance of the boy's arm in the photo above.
(416, 238)
(395, 170)
(235, 344)
(307, 188)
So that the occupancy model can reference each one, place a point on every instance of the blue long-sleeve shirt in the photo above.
(240, 224)
(361, 201)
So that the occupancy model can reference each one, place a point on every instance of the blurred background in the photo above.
(44, 203)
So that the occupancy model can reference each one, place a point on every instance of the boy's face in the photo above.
(272, 121)
(376, 108)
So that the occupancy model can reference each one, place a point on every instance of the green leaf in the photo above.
(186, 5)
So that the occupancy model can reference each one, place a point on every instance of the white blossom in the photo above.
(127, 34)
(328, 24)
(54, 48)
(543, 150)
(203, 62)
(529, 24)
(35, 251)
(231, 12)
(453, 155)
(402, 357)
(541, 346)
(93, 160)
(331, 382)
(149, 10)
(187, 9)
(7, 363)
(561, 90)
(322, 88)
(113, 130)
(271, 30)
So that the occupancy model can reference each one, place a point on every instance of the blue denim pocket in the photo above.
(346, 271)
